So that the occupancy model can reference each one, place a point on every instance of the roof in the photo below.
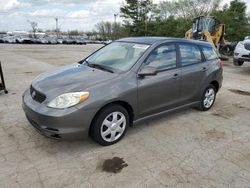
(154, 40)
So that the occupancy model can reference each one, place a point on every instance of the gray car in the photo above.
(121, 84)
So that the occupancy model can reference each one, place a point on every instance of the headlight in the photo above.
(68, 99)
(240, 45)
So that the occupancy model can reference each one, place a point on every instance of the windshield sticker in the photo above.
(141, 46)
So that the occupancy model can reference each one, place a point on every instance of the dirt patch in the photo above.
(220, 115)
(216, 134)
(11, 135)
(242, 107)
(114, 165)
(225, 113)
(240, 92)
(226, 64)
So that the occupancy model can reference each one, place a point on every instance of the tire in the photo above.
(237, 62)
(105, 130)
(204, 106)
(226, 50)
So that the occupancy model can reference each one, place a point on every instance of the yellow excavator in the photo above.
(210, 29)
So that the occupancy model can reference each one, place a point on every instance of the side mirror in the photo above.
(147, 71)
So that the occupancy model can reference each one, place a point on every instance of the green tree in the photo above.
(235, 19)
(135, 14)
(170, 27)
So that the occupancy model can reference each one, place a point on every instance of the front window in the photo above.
(163, 57)
(119, 56)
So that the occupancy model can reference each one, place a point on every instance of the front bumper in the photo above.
(71, 123)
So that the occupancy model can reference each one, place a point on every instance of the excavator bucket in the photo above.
(2, 83)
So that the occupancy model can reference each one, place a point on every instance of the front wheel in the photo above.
(110, 125)
(208, 98)
(237, 62)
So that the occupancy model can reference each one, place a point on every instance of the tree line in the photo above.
(174, 18)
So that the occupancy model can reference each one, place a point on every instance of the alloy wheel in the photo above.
(113, 126)
(209, 98)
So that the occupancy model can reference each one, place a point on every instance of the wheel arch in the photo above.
(215, 84)
(122, 103)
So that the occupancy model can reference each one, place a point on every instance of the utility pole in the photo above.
(115, 28)
(56, 28)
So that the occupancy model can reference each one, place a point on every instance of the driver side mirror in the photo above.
(147, 71)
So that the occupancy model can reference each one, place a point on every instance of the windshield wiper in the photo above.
(98, 66)
(86, 62)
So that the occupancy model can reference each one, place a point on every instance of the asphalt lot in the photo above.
(187, 148)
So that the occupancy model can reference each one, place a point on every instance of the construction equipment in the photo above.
(210, 29)
(2, 83)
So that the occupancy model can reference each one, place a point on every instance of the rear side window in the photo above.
(190, 54)
(209, 53)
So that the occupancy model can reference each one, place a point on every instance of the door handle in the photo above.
(204, 69)
(175, 76)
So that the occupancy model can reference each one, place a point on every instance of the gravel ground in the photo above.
(186, 148)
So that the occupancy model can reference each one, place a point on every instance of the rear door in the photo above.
(161, 91)
(194, 72)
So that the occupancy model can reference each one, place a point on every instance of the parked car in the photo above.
(51, 40)
(242, 52)
(9, 39)
(44, 40)
(27, 40)
(107, 42)
(81, 41)
(69, 41)
(122, 83)
(59, 40)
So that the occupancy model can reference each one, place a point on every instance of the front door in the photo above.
(161, 91)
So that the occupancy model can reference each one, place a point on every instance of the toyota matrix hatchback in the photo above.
(122, 83)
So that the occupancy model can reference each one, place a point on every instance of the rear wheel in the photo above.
(238, 62)
(110, 125)
(208, 98)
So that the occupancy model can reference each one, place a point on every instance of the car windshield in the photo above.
(119, 56)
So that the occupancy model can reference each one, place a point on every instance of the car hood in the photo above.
(71, 78)
(246, 41)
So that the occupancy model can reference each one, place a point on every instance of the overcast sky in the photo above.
(72, 14)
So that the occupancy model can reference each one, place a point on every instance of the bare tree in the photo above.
(105, 30)
(34, 26)
(187, 8)
(110, 31)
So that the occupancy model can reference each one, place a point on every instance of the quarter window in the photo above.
(209, 53)
(163, 57)
(190, 54)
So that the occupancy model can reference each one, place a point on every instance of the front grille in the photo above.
(247, 46)
(36, 95)
(247, 56)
